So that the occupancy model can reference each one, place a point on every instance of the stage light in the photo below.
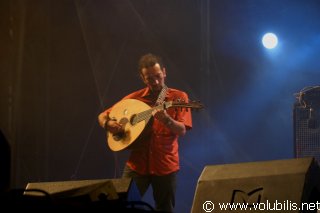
(269, 40)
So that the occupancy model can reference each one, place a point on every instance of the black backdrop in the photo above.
(62, 62)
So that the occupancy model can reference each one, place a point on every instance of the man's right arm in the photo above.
(102, 119)
(108, 124)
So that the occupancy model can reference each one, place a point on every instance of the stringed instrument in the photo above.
(134, 116)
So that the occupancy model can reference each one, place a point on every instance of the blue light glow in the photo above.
(269, 40)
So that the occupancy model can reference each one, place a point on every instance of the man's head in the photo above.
(152, 71)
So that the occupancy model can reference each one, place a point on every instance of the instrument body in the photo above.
(134, 116)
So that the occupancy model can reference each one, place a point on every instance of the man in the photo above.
(155, 159)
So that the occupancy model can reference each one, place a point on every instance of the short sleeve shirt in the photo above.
(156, 153)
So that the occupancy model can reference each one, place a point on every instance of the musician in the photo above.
(154, 159)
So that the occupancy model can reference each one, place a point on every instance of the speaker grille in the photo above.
(306, 131)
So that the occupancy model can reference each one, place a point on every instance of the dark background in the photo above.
(63, 62)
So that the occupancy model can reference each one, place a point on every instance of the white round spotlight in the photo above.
(269, 40)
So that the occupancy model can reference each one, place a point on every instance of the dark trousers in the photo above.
(163, 188)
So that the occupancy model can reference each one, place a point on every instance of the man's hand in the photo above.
(162, 116)
(113, 126)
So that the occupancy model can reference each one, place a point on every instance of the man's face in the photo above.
(154, 77)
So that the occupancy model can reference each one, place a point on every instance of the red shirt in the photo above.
(157, 152)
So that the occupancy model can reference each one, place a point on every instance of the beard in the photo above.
(156, 88)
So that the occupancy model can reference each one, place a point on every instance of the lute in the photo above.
(134, 115)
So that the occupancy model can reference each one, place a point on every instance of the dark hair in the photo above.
(149, 60)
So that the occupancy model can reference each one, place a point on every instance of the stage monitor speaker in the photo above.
(91, 190)
(290, 185)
